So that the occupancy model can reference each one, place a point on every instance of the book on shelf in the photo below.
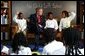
(4, 35)
(4, 11)
(82, 35)
(83, 18)
(4, 4)
(1, 36)
(4, 19)
(4, 16)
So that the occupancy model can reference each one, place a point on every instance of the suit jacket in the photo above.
(34, 24)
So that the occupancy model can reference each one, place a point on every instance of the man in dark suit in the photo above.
(37, 23)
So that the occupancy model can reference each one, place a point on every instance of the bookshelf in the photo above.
(82, 14)
(82, 18)
(5, 19)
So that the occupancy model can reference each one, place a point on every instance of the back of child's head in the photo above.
(18, 40)
(71, 36)
(22, 39)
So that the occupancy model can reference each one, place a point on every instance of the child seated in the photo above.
(21, 21)
(19, 44)
(50, 27)
(55, 47)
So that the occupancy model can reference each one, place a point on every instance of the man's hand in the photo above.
(28, 20)
(40, 25)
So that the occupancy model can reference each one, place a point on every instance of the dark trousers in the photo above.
(37, 39)
(37, 36)
(49, 34)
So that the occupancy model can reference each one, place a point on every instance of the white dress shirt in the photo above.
(24, 51)
(54, 48)
(82, 51)
(51, 24)
(13, 54)
(5, 50)
(65, 22)
(21, 23)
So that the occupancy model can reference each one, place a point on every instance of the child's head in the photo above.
(50, 15)
(20, 15)
(19, 40)
(71, 36)
(65, 14)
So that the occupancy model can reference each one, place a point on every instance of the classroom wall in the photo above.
(28, 7)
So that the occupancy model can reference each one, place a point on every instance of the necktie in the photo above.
(39, 19)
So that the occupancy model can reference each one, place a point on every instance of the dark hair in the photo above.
(71, 36)
(66, 13)
(19, 14)
(19, 39)
(49, 13)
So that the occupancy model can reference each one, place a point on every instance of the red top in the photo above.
(39, 19)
